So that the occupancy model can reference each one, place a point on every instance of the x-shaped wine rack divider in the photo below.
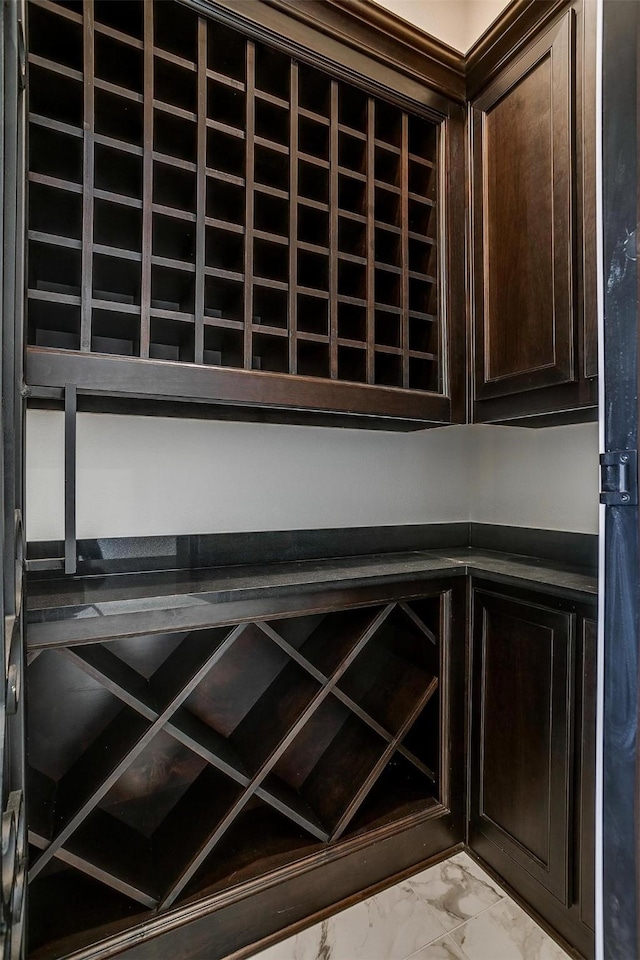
(106, 668)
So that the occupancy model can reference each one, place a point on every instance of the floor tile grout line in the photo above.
(507, 899)
(440, 936)
(479, 914)
(502, 896)
(437, 940)
(486, 879)
(465, 955)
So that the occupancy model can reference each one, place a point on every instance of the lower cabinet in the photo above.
(193, 793)
(533, 751)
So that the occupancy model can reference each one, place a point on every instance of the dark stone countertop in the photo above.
(563, 579)
(81, 609)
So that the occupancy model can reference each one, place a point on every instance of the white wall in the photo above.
(143, 476)
(536, 478)
(458, 23)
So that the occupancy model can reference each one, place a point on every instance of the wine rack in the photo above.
(162, 768)
(200, 197)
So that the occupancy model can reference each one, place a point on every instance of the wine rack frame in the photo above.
(202, 200)
(158, 756)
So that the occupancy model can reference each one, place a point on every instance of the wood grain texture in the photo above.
(521, 759)
(587, 245)
(523, 188)
(389, 38)
(246, 152)
(535, 355)
(519, 228)
(232, 748)
(573, 919)
(515, 794)
(518, 24)
(131, 377)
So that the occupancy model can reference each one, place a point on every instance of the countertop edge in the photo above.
(85, 623)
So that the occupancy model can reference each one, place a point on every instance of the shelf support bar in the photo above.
(70, 438)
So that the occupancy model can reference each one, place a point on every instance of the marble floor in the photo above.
(452, 911)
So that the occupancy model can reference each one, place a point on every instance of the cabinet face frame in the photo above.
(556, 46)
(551, 871)
(283, 383)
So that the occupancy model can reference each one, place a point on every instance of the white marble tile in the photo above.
(443, 949)
(390, 926)
(505, 932)
(456, 890)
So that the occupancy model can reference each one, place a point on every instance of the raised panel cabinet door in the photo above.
(523, 184)
(521, 757)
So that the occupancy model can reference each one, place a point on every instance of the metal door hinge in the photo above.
(619, 478)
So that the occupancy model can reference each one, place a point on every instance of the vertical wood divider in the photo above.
(333, 233)
(371, 274)
(293, 220)
(201, 190)
(70, 447)
(248, 222)
(404, 223)
(441, 233)
(86, 292)
(147, 185)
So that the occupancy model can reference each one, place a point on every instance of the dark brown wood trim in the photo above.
(452, 295)
(534, 408)
(356, 898)
(367, 27)
(87, 180)
(515, 27)
(587, 240)
(554, 363)
(210, 927)
(386, 37)
(261, 908)
(343, 45)
(96, 374)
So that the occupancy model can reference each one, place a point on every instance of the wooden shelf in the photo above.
(228, 182)
(161, 750)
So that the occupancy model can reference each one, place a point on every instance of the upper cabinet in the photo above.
(212, 219)
(533, 208)
(260, 209)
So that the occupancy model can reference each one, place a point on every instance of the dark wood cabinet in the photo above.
(532, 783)
(204, 766)
(213, 219)
(219, 217)
(533, 213)
(522, 706)
(224, 219)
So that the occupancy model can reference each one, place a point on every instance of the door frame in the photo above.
(617, 817)
(12, 712)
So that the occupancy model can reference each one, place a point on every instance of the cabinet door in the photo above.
(521, 755)
(523, 129)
